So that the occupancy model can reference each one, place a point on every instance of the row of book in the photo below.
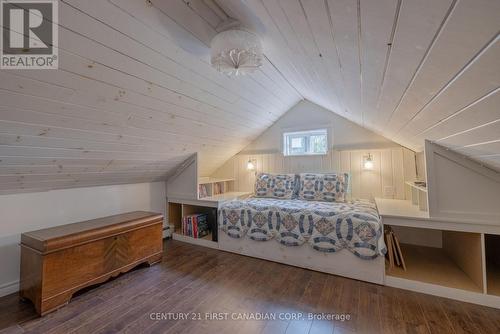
(394, 253)
(218, 188)
(195, 226)
(202, 191)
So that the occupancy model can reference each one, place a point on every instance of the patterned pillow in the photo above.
(275, 185)
(323, 187)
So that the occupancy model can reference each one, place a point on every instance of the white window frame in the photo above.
(287, 135)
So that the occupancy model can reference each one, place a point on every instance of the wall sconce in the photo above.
(251, 164)
(368, 162)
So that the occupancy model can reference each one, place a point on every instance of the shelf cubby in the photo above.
(214, 187)
(418, 195)
(176, 212)
(492, 251)
(454, 260)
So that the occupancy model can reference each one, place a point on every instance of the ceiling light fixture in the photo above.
(236, 52)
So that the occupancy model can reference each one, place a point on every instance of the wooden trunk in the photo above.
(56, 262)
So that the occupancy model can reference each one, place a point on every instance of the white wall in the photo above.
(420, 161)
(459, 188)
(348, 143)
(31, 211)
(343, 134)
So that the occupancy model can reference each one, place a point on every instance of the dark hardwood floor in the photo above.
(205, 283)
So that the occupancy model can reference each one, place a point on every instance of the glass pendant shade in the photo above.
(236, 52)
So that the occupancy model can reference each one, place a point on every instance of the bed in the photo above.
(343, 238)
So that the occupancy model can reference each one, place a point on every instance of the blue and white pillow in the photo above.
(323, 187)
(275, 185)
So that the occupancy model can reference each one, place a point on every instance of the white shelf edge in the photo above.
(399, 208)
(199, 242)
(226, 196)
(411, 184)
(214, 181)
(443, 291)
(191, 201)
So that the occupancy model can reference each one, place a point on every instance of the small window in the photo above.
(305, 142)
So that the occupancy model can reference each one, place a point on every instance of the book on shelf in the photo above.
(202, 191)
(195, 226)
(394, 253)
(218, 188)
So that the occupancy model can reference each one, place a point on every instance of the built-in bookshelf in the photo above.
(210, 187)
(180, 208)
(418, 190)
(179, 213)
(455, 262)
(492, 252)
(451, 258)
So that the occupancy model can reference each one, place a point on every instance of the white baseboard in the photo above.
(8, 288)
(167, 233)
(199, 242)
(442, 291)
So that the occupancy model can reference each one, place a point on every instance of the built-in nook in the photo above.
(492, 244)
(176, 213)
(446, 258)
(213, 189)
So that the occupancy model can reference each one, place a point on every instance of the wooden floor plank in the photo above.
(368, 318)
(198, 281)
(171, 292)
(459, 318)
(483, 321)
(346, 301)
(218, 299)
(321, 327)
(436, 319)
(118, 295)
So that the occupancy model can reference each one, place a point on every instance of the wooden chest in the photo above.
(56, 262)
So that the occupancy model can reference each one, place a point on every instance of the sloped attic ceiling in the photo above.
(135, 95)
(127, 104)
(409, 70)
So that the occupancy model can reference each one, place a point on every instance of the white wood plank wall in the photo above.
(392, 167)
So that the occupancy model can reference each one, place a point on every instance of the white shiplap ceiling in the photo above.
(135, 95)
(410, 69)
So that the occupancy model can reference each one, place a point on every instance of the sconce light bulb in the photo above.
(250, 165)
(368, 164)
